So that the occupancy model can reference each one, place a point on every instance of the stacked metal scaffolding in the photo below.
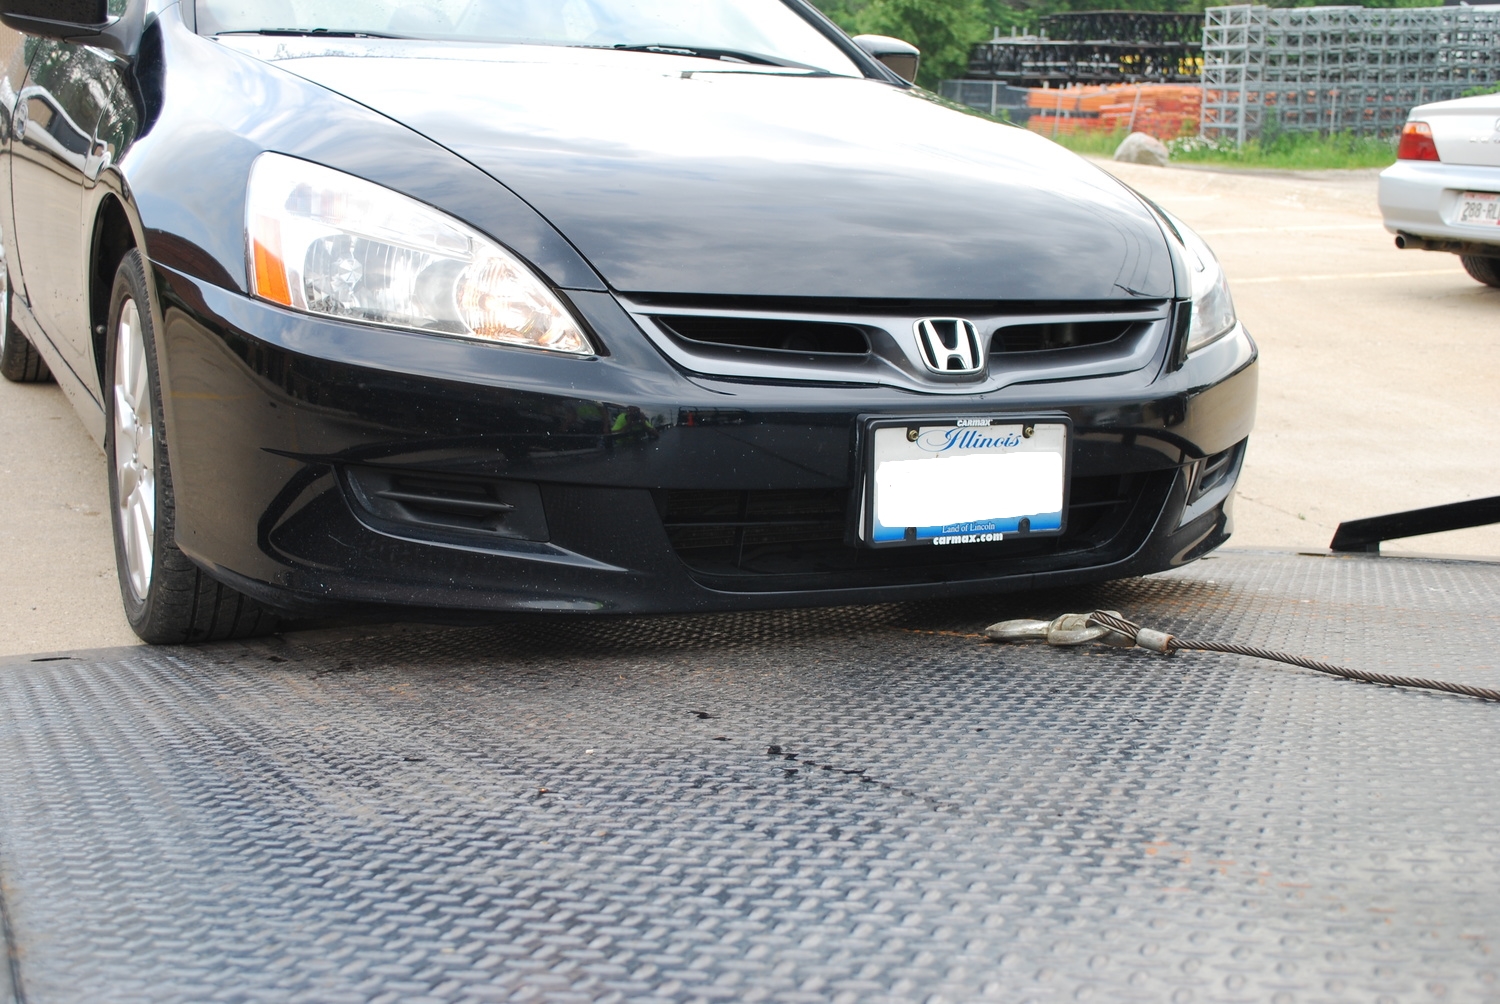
(1154, 27)
(1339, 69)
(1095, 47)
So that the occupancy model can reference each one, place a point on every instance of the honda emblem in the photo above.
(950, 346)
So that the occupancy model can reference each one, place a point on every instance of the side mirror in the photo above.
(901, 58)
(86, 22)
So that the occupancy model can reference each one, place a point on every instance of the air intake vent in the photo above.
(404, 501)
(770, 540)
(1058, 335)
(728, 523)
(768, 335)
(1214, 471)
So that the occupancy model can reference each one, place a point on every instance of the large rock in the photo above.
(1139, 148)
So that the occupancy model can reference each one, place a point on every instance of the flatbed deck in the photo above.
(859, 804)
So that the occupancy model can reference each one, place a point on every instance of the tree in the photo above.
(945, 31)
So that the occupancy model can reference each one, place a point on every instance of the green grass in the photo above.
(1095, 144)
(1287, 151)
(1291, 151)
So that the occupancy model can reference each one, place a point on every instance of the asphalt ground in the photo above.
(1378, 378)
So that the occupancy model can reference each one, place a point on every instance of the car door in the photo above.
(13, 57)
(57, 153)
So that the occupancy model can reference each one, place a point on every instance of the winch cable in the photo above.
(1110, 628)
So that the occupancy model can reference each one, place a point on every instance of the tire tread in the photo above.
(1482, 269)
(20, 362)
(185, 605)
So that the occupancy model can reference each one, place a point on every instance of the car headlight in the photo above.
(330, 243)
(1213, 308)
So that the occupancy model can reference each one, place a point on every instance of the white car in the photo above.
(1443, 192)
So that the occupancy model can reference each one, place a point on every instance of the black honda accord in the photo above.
(591, 306)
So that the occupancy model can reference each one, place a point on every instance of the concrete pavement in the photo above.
(1379, 368)
(57, 582)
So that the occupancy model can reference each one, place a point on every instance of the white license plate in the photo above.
(1479, 209)
(965, 481)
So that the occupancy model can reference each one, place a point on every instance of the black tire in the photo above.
(180, 604)
(20, 362)
(1485, 270)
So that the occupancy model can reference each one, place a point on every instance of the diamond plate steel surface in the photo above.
(862, 804)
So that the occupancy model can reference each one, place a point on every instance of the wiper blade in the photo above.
(700, 52)
(314, 33)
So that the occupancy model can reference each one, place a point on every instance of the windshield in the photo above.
(743, 31)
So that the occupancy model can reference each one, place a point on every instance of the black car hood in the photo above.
(671, 175)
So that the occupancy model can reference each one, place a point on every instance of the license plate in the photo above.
(964, 481)
(1479, 209)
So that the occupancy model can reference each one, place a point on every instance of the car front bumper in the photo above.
(1421, 198)
(653, 490)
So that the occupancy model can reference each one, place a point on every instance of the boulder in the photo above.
(1140, 148)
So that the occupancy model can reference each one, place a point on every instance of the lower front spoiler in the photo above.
(376, 573)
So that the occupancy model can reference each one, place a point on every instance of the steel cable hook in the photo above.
(1109, 627)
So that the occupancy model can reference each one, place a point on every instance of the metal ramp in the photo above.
(862, 804)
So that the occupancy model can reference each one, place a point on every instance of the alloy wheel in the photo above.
(135, 450)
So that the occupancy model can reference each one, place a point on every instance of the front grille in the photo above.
(768, 334)
(1051, 337)
(875, 341)
(767, 540)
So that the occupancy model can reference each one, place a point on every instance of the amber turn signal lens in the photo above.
(269, 278)
(1416, 143)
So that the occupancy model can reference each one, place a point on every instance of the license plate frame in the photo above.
(1486, 212)
(965, 436)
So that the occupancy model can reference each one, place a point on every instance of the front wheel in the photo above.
(168, 599)
(1486, 270)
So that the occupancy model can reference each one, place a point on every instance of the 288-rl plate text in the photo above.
(1479, 209)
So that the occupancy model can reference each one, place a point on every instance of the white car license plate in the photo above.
(964, 481)
(1479, 208)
